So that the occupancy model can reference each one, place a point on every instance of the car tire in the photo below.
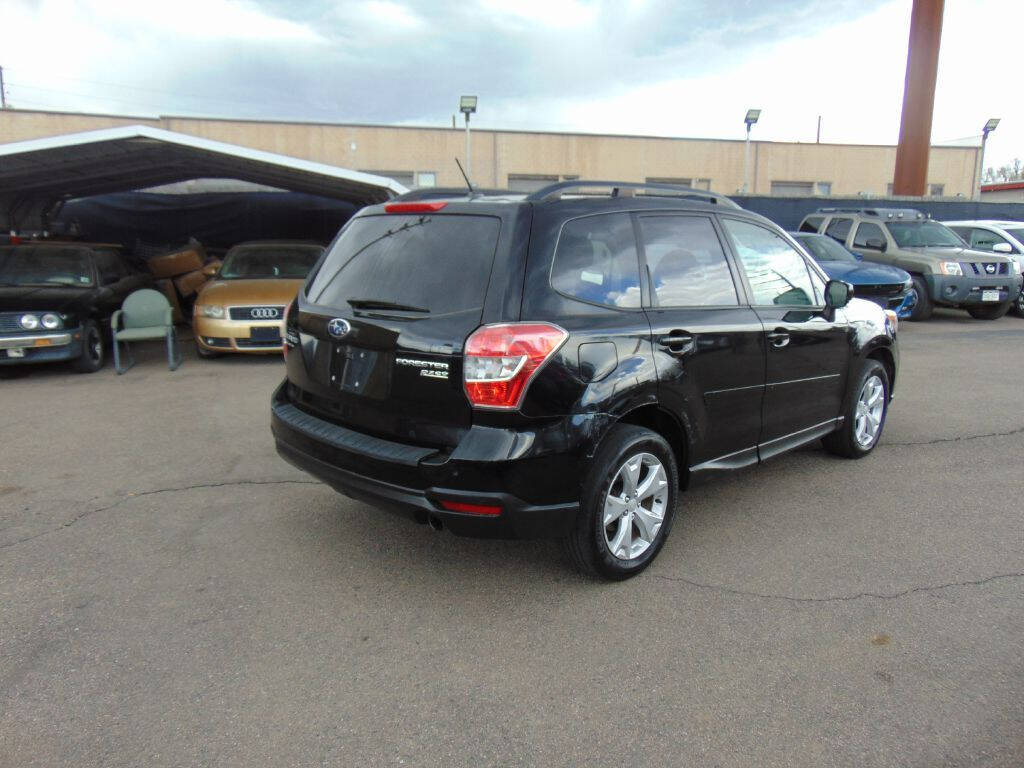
(618, 546)
(923, 309)
(93, 355)
(864, 416)
(990, 312)
(1018, 305)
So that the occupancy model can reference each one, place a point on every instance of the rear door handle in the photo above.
(779, 338)
(676, 342)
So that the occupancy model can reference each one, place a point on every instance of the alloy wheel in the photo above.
(634, 508)
(870, 409)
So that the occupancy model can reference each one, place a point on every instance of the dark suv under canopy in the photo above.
(562, 363)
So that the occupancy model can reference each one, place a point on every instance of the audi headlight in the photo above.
(50, 321)
(29, 322)
(210, 310)
(951, 268)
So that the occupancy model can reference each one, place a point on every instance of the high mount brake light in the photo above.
(414, 207)
(501, 360)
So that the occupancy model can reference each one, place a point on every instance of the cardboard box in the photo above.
(189, 283)
(166, 287)
(178, 263)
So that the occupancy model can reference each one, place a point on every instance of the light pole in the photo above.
(985, 131)
(752, 117)
(467, 106)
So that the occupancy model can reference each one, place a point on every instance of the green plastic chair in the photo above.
(145, 314)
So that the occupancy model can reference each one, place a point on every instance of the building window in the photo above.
(888, 190)
(527, 182)
(669, 180)
(426, 179)
(936, 190)
(824, 188)
(792, 189)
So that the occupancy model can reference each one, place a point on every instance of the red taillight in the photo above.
(472, 509)
(500, 360)
(287, 313)
(414, 207)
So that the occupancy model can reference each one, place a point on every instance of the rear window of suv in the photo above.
(439, 264)
(596, 261)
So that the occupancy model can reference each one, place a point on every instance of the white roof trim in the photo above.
(194, 142)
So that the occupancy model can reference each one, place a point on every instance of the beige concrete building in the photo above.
(524, 160)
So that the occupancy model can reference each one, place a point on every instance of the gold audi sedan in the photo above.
(242, 308)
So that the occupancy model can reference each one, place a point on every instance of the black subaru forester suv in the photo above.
(563, 363)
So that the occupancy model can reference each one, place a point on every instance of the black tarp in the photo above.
(216, 219)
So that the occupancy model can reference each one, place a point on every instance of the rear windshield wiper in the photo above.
(380, 304)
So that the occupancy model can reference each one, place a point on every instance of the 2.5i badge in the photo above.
(429, 368)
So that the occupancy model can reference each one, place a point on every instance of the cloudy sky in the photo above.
(663, 67)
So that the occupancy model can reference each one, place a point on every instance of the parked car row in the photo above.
(944, 269)
(56, 298)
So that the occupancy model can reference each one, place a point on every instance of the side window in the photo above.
(110, 267)
(868, 232)
(596, 260)
(811, 223)
(838, 229)
(983, 240)
(777, 273)
(686, 262)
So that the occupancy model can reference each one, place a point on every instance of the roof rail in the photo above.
(555, 190)
(888, 213)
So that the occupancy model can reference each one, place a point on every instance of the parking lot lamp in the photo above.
(749, 120)
(467, 106)
(985, 131)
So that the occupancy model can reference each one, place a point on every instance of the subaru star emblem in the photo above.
(990, 268)
(338, 327)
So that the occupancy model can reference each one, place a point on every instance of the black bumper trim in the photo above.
(518, 520)
(348, 440)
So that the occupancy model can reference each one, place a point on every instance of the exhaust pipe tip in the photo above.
(435, 522)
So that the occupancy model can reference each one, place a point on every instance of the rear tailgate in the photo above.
(382, 325)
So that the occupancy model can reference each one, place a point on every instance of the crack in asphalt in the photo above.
(959, 438)
(841, 598)
(155, 491)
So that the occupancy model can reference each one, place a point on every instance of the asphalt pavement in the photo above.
(173, 594)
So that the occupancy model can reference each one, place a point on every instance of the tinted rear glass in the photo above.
(811, 223)
(438, 263)
(596, 261)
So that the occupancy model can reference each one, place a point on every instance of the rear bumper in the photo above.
(415, 481)
(963, 291)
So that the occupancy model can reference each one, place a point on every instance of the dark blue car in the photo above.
(889, 287)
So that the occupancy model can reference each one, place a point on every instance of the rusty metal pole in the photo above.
(918, 98)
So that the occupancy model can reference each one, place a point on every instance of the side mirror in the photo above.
(837, 294)
(210, 270)
(876, 244)
(1002, 248)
